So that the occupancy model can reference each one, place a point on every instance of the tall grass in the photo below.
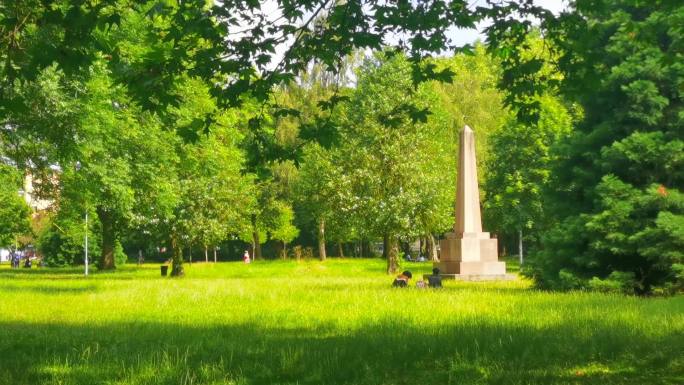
(336, 322)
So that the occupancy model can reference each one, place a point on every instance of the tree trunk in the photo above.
(214, 254)
(284, 250)
(392, 254)
(279, 249)
(385, 246)
(176, 258)
(206, 254)
(365, 249)
(430, 249)
(406, 248)
(190, 254)
(340, 250)
(432, 242)
(108, 240)
(321, 239)
(256, 245)
(520, 245)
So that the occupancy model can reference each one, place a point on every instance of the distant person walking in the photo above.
(245, 257)
(14, 257)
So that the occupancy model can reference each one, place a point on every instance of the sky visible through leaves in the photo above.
(459, 36)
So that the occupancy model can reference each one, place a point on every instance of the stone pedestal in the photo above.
(470, 254)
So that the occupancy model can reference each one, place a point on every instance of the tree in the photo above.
(112, 156)
(389, 151)
(124, 156)
(280, 222)
(211, 42)
(14, 212)
(472, 99)
(317, 191)
(272, 217)
(519, 171)
(61, 240)
(617, 185)
(215, 197)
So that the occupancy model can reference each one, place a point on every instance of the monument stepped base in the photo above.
(472, 268)
(477, 278)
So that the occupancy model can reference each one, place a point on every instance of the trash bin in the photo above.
(164, 270)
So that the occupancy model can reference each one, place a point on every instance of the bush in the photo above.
(675, 284)
(568, 281)
(616, 282)
(120, 256)
(61, 242)
(58, 250)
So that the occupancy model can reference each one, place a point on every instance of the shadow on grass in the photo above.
(42, 271)
(47, 288)
(450, 287)
(474, 352)
(77, 273)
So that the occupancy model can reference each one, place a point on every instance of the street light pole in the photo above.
(77, 166)
(86, 242)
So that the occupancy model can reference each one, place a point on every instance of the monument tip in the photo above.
(467, 128)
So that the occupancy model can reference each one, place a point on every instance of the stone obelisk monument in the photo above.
(468, 252)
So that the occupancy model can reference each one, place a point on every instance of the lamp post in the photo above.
(78, 168)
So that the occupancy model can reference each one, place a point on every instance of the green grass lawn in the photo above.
(337, 322)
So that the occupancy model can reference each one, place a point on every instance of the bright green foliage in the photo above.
(472, 99)
(308, 127)
(392, 154)
(518, 172)
(398, 159)
(319, 194)
(116, 161)
(126, 161)
(231, 44)
(273, 217)
(61, 241)
(280, 222)
(215, 198)
(618, 187)
(336, 322)
(14, 212)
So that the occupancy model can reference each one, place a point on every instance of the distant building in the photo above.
(32, 200)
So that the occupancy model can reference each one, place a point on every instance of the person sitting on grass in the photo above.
(435, 280)
(403, 279)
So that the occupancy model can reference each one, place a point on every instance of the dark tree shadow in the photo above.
(48, 288)
(77, 273)
(477, 352)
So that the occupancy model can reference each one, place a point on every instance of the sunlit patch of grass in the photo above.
(336, 322)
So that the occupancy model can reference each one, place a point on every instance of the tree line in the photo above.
(168, 132)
